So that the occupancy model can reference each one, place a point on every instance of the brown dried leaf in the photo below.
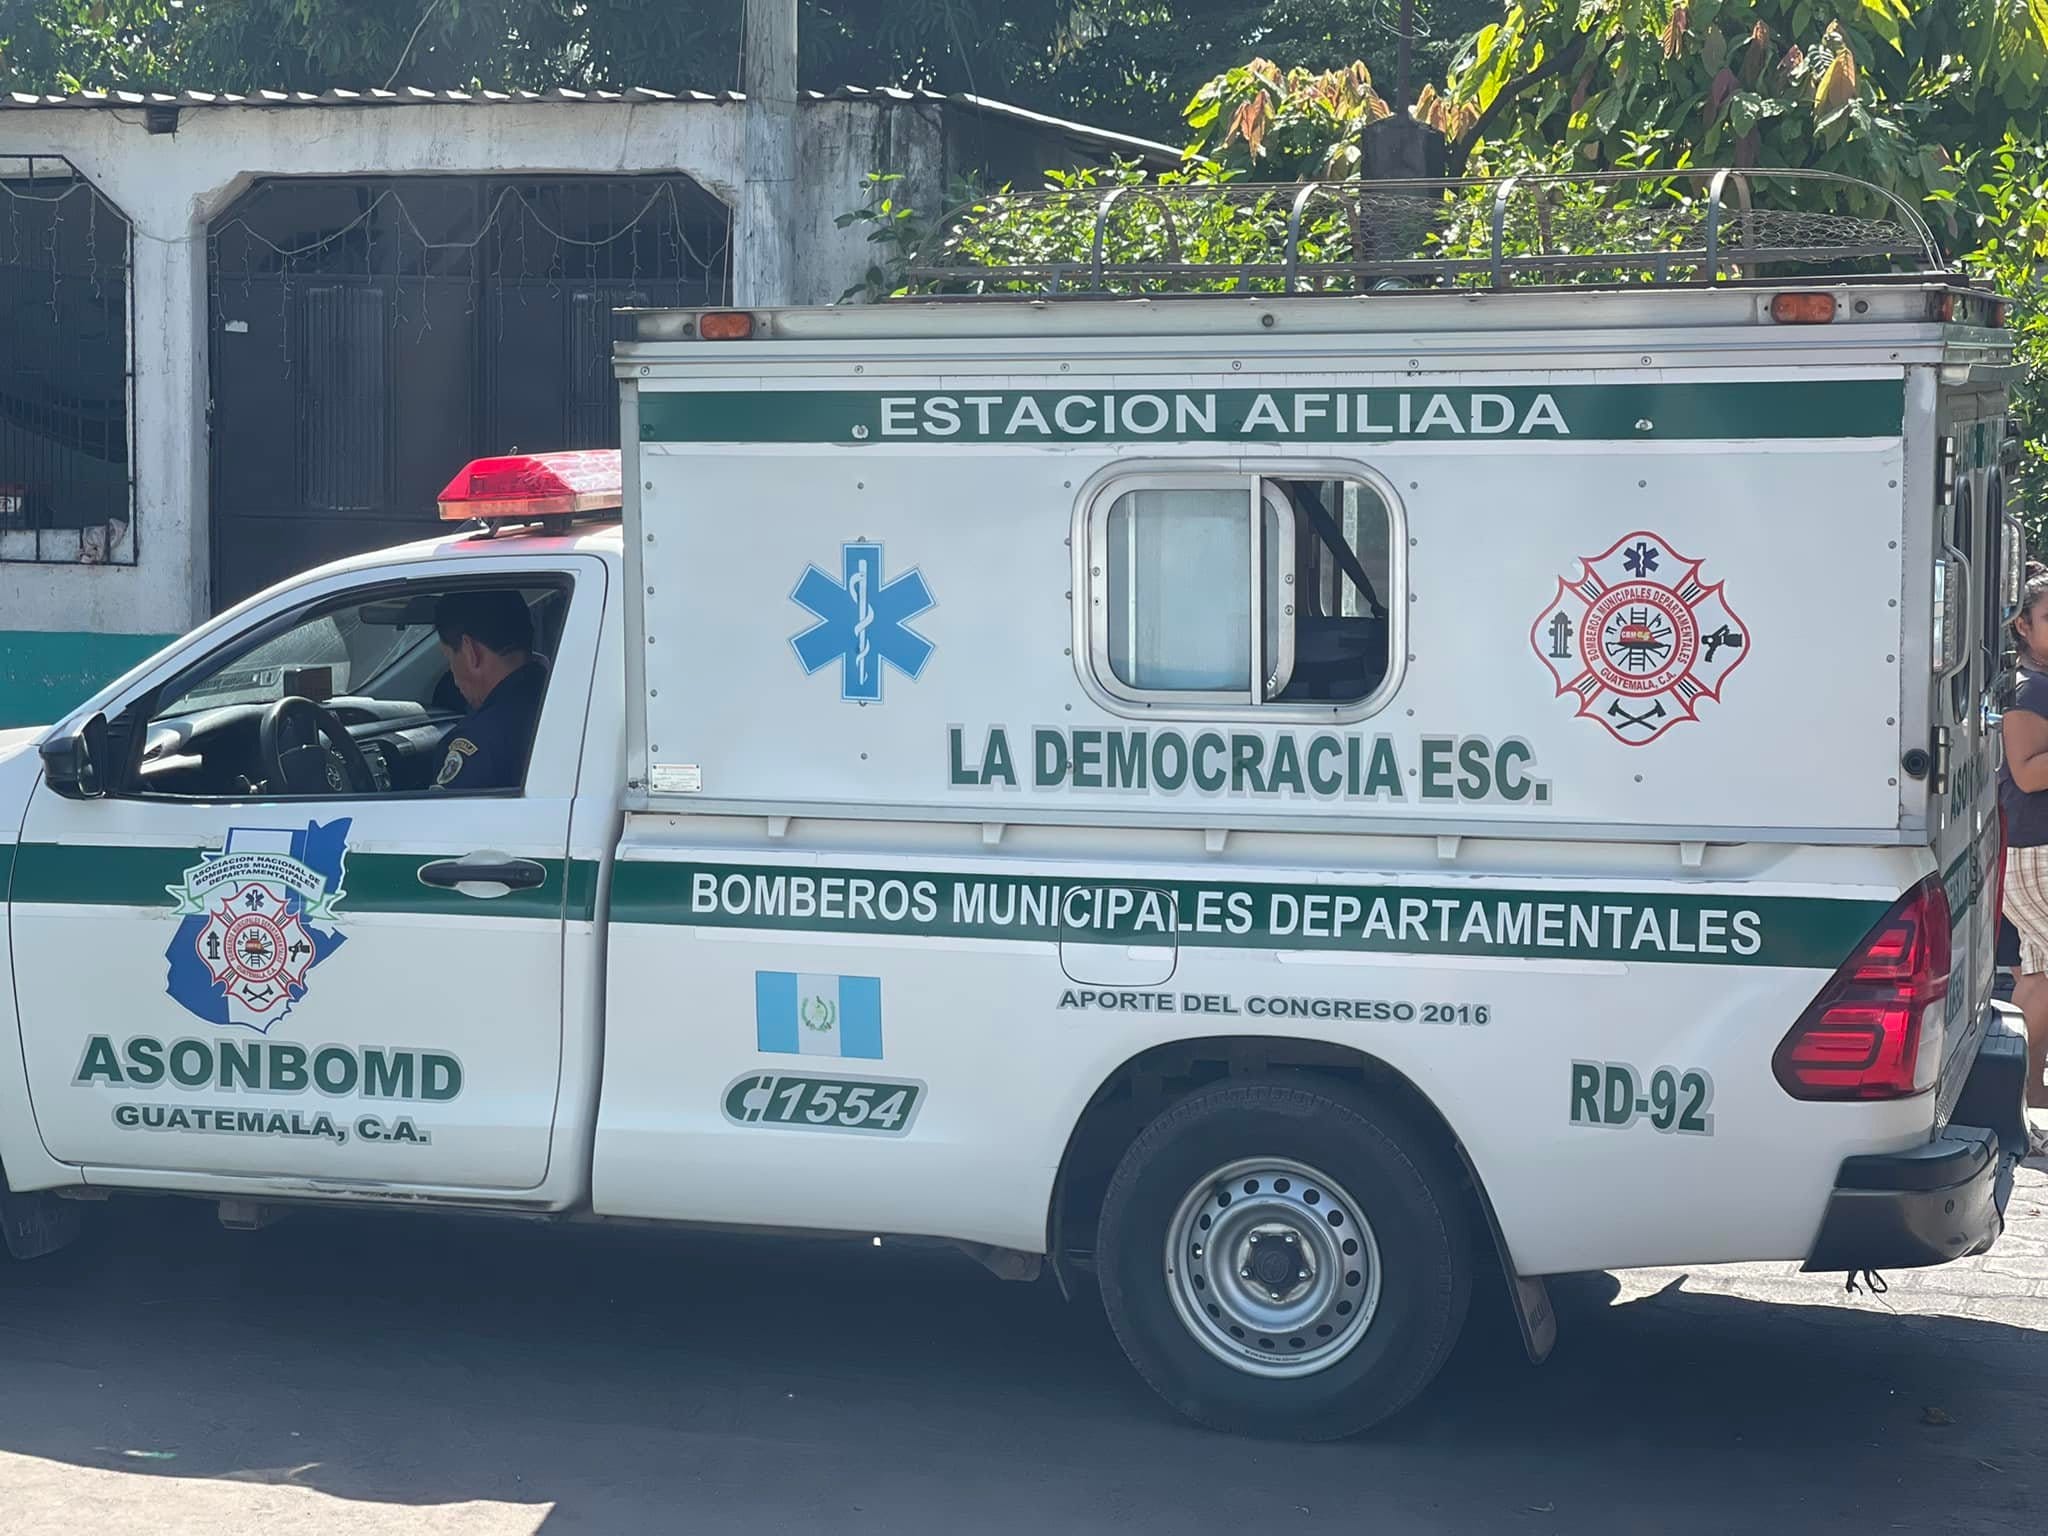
(1837, 84)
(1675, 30)
(1249, 122)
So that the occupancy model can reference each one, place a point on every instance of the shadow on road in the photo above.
(623, 1381)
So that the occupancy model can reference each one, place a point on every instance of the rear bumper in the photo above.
(1944, 1199)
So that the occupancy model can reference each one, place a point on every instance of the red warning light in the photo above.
(524, 486)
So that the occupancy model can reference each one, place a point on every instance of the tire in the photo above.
(1310, 1169)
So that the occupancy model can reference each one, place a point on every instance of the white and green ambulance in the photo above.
(1283, 811)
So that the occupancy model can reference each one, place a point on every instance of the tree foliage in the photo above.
(1894, 91)
(1944, 102)
(1127, 64)
(1285, 123)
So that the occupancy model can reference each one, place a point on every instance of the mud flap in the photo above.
(1530, 1297)
(36, 1224)
(1534, 1315)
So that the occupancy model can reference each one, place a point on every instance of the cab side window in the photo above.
(1240, 593)
(351, 696)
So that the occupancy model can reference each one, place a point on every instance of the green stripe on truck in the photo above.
(1533, 924)
(1108, 413)
(86, 874)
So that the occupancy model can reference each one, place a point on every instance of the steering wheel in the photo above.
(289, 745)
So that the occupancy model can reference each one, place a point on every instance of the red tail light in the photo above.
(1861, 1038)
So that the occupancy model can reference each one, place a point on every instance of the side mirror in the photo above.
(75, 765)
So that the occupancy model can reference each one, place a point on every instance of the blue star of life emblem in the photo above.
(862, 622)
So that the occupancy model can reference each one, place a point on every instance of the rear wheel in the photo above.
(1280, 1258)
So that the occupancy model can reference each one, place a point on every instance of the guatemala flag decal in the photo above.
(255, 923)
(800, 1014)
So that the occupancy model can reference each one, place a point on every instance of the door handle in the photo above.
(513, 874)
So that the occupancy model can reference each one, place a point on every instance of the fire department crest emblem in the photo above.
(1637, 639)
(255, 921)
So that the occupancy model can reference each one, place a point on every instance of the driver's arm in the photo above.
(459, 757)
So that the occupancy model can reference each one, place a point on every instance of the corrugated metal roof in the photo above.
(1149, 150)
(402, 96)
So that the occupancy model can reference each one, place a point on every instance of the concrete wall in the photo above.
(64, 628)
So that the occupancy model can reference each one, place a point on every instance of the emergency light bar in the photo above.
(522, 487)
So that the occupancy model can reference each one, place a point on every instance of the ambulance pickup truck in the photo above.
(1279, 810)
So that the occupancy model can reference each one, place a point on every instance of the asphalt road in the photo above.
(346, 1373)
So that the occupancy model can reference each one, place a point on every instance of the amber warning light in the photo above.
(521, 487)
(1803, 308)
(725, 325)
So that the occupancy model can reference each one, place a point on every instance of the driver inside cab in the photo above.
(487, 637)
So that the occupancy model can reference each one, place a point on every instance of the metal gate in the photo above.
(369, 335)
(66, 492)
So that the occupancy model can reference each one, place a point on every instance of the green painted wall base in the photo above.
(43, 672)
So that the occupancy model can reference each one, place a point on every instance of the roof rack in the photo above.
(1609, 228)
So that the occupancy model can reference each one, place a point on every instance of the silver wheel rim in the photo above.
(1273, 1267)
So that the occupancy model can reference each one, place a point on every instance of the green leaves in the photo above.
(1883, 18)
(1285, 123)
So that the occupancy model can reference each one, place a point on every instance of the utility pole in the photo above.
(1405, 57)
(765, 250)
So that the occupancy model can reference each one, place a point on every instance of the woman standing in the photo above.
(2023, 797)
